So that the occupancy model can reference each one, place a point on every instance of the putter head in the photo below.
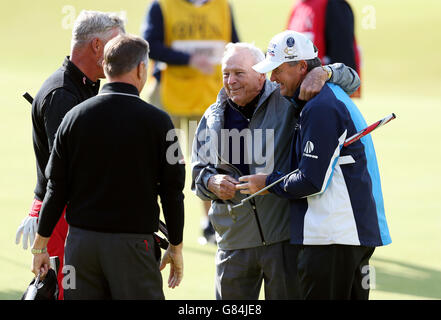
(230, 212)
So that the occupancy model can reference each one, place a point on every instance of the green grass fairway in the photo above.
(401, 73)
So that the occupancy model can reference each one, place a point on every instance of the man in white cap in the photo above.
(292, 48)
(338, 213)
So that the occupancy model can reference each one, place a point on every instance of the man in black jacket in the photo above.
(109, 162)
(75, 81)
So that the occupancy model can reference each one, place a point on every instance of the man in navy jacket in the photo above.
(337, 210)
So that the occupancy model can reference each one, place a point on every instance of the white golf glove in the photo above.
(28, 228)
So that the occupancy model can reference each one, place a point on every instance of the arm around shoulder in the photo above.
(346, 77)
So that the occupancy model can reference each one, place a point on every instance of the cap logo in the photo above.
(271, 49)
(290, 42)
(290, 52)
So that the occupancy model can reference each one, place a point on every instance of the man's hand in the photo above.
(202, 63)
(173, 255)
(313, 83)
(27, 228)
(252, 184)
(223, 186)
(40, 264)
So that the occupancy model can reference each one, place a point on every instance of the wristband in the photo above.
(35, 209)
(38, 251)
(328, 70)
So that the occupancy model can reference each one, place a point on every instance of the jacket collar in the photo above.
(217, 110)
(297, 103)
(79, 77)
(120, 87)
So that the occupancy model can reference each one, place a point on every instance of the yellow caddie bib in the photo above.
(205, 29)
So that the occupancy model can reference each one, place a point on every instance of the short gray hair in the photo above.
(94, 24)
(123, 53)
(256, 52)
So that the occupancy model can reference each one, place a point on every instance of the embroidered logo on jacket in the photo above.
(309, 147)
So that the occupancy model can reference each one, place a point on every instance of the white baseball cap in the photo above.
(284, 47)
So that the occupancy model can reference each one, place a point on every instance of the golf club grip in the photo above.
(266, 188)
(28, 97)
(369, 129)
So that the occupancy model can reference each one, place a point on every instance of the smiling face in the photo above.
(289, 77)
(242, 84)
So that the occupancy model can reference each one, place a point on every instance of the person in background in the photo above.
(329, 24)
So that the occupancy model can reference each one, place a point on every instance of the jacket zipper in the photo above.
(252, 202)
(259, 226)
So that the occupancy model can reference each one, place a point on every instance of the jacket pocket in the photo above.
(220, 217)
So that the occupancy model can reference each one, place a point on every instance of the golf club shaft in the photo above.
(264, 189)
(369, 129)
(28, 97)
(163, 228)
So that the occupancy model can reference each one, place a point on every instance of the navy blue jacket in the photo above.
(336, 192)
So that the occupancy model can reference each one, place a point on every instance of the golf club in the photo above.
(162, 242)
(369, 129)
(32, 292)
(347, 142)
(28, 97)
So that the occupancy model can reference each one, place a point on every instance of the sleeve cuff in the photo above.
(331, 78)
(271, 178)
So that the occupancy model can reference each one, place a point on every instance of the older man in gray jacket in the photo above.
(249, 130)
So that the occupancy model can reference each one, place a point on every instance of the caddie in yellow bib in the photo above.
(205, 30)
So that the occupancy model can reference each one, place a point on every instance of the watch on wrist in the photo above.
(328, 70)
(38, 251)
